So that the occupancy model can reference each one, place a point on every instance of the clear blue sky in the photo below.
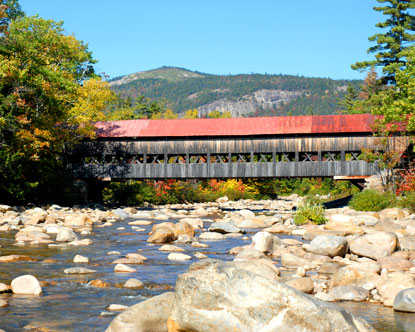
(314, 38)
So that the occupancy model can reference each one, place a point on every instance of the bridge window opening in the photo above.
(155, 159)
(331, 156)
(262, 158)
(353, 156)
(91, 160)
(219, 158)
(285, 157)
(308, 156)
(176, 159)
(135, 159)
(197, 159)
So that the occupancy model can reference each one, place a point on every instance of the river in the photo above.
(68, 303)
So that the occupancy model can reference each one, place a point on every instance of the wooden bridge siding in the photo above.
(226, 170)
(228, 145)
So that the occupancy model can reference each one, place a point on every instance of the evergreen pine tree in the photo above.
(391, 44)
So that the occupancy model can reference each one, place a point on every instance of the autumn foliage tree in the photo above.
(49, 96)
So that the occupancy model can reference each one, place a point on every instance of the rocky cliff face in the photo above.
(248, 104)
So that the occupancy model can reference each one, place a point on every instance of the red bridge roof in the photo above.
(282, 125)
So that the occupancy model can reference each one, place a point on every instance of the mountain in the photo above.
(242, 95)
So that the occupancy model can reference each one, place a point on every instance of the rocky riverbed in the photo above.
(75, 269)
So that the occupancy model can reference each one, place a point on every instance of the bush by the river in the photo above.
(310, 213)
(408, 201)
(174, 191)
(372, 200)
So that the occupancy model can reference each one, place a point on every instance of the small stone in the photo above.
(26, 284)
(113, 253)
(300, 271)
(3, 304)
(80, 259)
(211, 236)
(178, 257)
(84, 242)
(134, 283)
(117, 307)
(4, 288)
(16, 258)
(78, 270)
(200, 255)
(99, 283)
(199, 245)
(171, 248)
(123, 268)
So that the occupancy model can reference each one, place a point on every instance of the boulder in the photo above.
(392, 263)
(211, 236)
(374, 245)
(278, 228)
(170, 248)
(292, 261)
(393, 214)
(391, 285)
(134, 283)
(217, 296)
(405, 300)
(303, 284)
(66, 234)
(162, 235)
(349, 293)
(77, 220)
(347, 228)
(196, 223)
(121, 213)
(124, 268)
(246, 214)
(407, 242)
(150, 315)
(183, 228)
(26, 284)
(328, 245)
(224, 228)
(80, 259)
(176, 256)
(351, 276)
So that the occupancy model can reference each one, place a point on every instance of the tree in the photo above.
(48, 95)
(218, 114)
(191, 114)
(9, 10)
(395, 128)
(391, 44)
(369, 96)
(140, 108)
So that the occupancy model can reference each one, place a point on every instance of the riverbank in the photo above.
(320, 260)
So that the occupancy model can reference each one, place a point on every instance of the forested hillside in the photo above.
(242, 95)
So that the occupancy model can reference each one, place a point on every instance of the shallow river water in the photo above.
(68, 303)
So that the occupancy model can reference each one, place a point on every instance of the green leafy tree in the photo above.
(9, 10)
(391, 44)
(48, 95)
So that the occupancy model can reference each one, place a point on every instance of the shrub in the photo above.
(408, 201)
(372, 200)
(308, 212)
